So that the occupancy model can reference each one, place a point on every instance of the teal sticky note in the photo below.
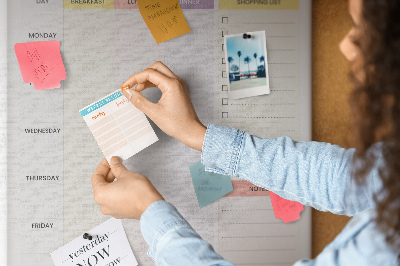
(209, 186)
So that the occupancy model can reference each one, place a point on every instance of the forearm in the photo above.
(312, 173)
(172, 241)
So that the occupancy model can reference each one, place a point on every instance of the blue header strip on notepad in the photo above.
(100, 103)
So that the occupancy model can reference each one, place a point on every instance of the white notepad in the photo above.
(118, 126)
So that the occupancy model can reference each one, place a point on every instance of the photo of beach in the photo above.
(246, 59)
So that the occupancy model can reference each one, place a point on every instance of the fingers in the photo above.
(110, 177)
(104, 210)
(157, 75)
(140, 102)
(160, 67)
(100, 174)
(142, 86)
(117, 167)
(159, 80)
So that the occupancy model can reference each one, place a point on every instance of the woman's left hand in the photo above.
(127, 197)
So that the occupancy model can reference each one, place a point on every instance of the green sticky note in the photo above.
(209, 186)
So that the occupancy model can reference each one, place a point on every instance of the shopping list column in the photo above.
(248, 232)
(35, 141)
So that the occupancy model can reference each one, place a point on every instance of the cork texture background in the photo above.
(331, 89)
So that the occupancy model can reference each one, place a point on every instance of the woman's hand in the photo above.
(127, 197)
(174, 113)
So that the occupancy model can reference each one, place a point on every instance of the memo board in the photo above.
(50, 198)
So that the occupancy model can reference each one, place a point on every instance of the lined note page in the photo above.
(249, 234)
(118, 126)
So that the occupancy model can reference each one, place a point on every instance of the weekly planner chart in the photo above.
(65, 116)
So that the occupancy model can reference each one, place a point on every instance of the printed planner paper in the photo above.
(118, 126)
(108, 246)
(209, 186)
(164, 18)
(41, 64)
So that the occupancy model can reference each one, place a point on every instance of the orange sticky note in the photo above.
(164, 18)
(284, 209)
(41, 64)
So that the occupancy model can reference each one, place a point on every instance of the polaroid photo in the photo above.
(246, 64)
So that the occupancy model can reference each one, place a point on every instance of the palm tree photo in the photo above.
(239, 54)
(247, 60)
(262, 59)
(230, 60)
(255, 57)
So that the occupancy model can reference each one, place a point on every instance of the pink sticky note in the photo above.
(284, 209)
(41, 64)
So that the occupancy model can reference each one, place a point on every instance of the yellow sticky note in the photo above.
(164, 18)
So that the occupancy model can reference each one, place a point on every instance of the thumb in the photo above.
(117, 167)
(139, 101)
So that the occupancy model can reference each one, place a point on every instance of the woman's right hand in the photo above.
(173, 113)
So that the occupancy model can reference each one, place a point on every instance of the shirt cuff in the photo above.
(222, 148)
(158, 219)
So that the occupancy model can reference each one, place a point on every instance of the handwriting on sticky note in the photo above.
(108, 246)
(209, 186)
(41, 64)
(284, 209)
(164, 18)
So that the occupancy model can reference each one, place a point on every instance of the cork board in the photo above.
(331, 89)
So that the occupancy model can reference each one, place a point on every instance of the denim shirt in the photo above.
(312, 173)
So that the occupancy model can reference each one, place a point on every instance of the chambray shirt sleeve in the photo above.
(172, 241)
(312, 173)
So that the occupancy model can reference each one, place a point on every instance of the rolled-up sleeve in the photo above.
(313, 173)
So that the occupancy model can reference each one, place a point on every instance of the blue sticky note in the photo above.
(209, 186)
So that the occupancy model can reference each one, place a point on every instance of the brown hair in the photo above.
(375, 103)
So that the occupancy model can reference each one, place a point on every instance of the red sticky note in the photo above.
(284, 209)
(41, 64)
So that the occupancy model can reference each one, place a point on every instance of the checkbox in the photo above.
(224, 20)
(224, 114)
(224, 101)
(223, 47)
(224, 74)
(224, 32)
(223, 61)
(224, 87)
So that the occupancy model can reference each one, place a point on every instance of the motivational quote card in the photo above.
(109, 246)
(41, 64)
(118, 126)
